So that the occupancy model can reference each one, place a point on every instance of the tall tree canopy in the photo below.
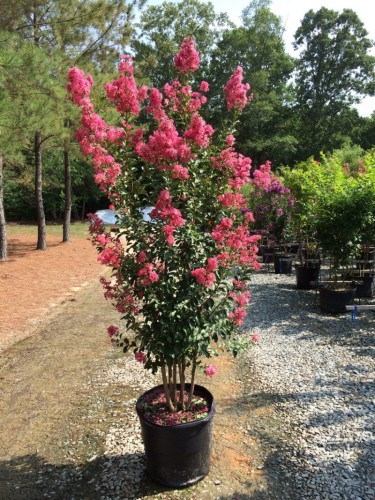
(162, 29)
(258, 47)
(334, 70)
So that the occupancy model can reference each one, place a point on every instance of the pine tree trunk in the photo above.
(3, 227)
(41, 220)
(68, 196)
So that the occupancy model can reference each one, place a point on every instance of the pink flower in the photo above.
(123, 91)
(229, 140)
(79, 86)
(141, 257)
(232, 200)
(187, 60)
(199, 132)
(237, 316)
(255, 337)
(112, 330)
(211, 264)
(147, 274)
(180, 172)
(140, 357)
(204, 277)
(210, 370)
(235, 91)
(204, 87)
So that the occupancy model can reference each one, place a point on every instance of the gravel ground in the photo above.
(319, 370)
(315, 368)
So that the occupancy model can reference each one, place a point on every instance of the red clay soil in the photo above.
(34, 282)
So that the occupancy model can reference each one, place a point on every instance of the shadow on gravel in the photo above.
(29, 477)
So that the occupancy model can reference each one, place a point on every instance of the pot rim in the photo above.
(209, 397)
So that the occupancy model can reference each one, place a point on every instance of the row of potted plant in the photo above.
(328, 208)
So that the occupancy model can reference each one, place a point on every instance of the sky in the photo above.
(293, 11)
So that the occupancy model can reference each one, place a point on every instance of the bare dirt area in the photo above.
(57, 407)
(33, 283)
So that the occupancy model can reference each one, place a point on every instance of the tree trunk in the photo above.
(68, 196)
(3, 227)
(41, 220)
(83, 211)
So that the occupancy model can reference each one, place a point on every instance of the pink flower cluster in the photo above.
(232, 200)
(111, 256)
(79, 86)
(210, 370)
(181, 98)
(205, 275)
(187, 60)
(165, 148)
(238, 241)
(124, 92)
(262, 177)
(123, 298)
(235, 91)
(165, 211)
(239, 313)
(112, 331)
(237, 165)
(140, 356)
(155, 107)
(94, 131)
(147, 275)
(255, 337)
(199, 132)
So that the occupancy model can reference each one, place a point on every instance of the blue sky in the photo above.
(292, 12)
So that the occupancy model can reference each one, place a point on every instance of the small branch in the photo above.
(181, 367)
(174, 389)
(191, 392)
(166, 390)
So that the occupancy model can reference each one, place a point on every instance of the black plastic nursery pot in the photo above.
(282, 263)
(334, 301)
(178, 455)
(365, 285)
(305, 275)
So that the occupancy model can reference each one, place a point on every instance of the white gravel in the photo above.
(320, 370)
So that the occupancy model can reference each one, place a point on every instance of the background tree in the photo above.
(25, 90)
(257, 46)
(334, 70)
(162, 29)
(94, 32)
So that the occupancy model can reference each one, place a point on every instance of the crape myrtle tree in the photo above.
(334, 70)
(257, 46)
(93, 32)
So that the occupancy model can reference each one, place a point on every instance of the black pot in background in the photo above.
(179, 455)
(305, 274)
(267, 254)
(334, 301)
(365, 284)
(282, 263)
(367, 260)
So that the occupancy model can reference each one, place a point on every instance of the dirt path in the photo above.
(33, 283)
(56, 409)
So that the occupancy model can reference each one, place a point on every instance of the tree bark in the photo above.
(3, 227)
(41, 220)
(68, 196)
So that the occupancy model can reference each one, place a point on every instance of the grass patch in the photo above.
(79, 229)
